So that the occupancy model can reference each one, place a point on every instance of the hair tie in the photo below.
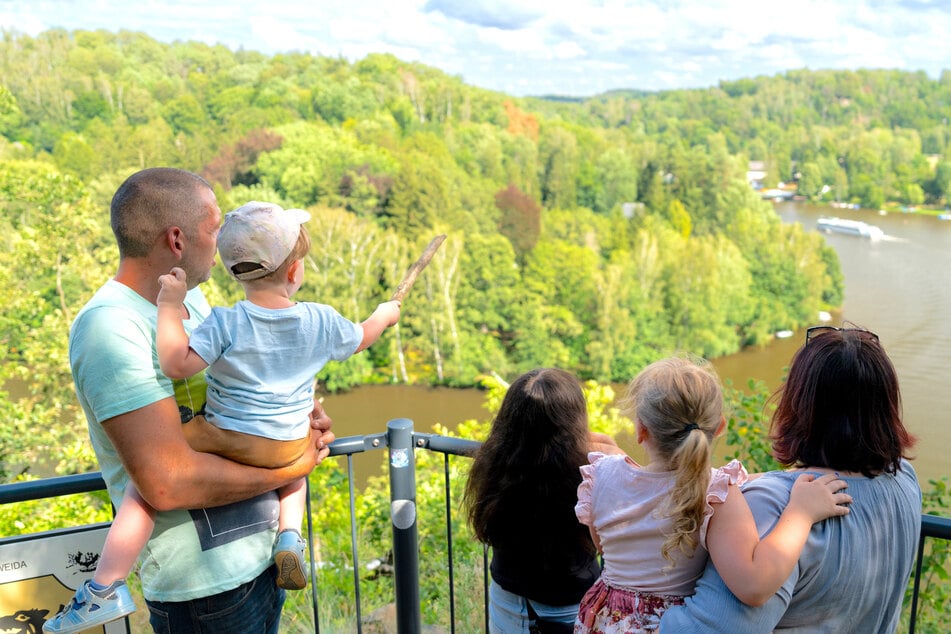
(690, 427)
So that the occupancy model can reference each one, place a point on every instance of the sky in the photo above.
(574, 48)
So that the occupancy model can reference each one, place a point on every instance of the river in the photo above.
(899, 287)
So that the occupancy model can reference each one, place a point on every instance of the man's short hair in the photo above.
(149, 202)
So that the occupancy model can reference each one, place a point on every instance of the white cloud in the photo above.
(522, 41)
(538, 46)
(567, 50)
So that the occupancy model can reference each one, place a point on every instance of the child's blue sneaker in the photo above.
(88, 609)
(289, 558)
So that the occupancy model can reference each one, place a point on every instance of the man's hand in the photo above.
(320, 423)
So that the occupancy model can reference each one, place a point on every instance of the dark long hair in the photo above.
(841, 407)
(523, 483)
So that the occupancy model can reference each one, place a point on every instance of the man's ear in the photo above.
(175, 240)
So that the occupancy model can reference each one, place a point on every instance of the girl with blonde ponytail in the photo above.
(653, 523)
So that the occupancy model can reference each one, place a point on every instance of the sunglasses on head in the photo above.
(818, 330)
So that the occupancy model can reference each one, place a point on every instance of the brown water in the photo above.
(366, 410)
(900, 287)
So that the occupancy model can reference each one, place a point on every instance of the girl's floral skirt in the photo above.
(607, 610)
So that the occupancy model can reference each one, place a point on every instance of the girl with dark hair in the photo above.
(839, 412)
(520, 498)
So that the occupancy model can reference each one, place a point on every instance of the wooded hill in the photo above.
(592, 235)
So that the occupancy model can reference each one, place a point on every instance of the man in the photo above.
(207, 569)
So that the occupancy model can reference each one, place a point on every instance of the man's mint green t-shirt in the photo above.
(115, 369)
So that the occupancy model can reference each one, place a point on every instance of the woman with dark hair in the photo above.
(520, 499)
(838, 412)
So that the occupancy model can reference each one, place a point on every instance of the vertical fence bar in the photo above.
(452, 582)
(313, 564)
(914, 595)
(353, 544)
(399, 433)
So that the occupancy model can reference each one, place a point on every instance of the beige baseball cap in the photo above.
(261, 235)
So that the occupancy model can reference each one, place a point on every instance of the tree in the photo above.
(679, 218)
(234, 164)
(50, 223)
(521, 122)
(810, 181)
(9, 111)
(562, 276)
(74, 156)
(185, 114)
(558, 167)
(488, 301)
(616, 175)
(91, 104)
(521, 218)
(940, 186)
(337, 101)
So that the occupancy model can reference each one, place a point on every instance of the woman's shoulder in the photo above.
(906, 471)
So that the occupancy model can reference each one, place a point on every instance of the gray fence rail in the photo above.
(401, 442)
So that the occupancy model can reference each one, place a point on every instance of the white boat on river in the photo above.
(849, 227)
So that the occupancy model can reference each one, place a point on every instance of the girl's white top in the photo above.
(625, 505)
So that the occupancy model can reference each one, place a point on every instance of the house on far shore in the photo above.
(756, 174)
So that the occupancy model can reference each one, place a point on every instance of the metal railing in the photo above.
(401, 441)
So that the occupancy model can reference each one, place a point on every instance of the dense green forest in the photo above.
(594, 234)
(576, 239)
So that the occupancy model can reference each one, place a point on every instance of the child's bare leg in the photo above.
(130, 531)
(289, 548)
(293, 503)
(106, 596)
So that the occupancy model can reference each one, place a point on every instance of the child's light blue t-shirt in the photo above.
(262, 364)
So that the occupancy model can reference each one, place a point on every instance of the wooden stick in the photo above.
(410, 278)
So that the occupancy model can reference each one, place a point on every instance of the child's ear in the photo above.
(641, 431)
(721, 427)
(292, 269)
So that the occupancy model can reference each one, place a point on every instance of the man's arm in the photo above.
(171, 475)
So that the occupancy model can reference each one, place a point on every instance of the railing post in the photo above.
(403, 517)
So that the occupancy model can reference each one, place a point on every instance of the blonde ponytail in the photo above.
(691, 462)
(680, 402)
